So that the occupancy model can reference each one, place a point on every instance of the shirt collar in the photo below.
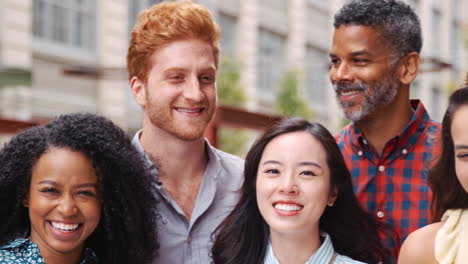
(28, 247)
(406, 139)
(213, 159)
(323, 255)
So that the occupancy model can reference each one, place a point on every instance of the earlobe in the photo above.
(138, 91)
(26, 201)
(333, 197)
(409, 67)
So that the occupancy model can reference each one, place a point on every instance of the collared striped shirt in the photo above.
(323, 255)
(392, 185)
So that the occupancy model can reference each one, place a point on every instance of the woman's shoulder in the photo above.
(341, 259)
(20, 251)
(419, 246)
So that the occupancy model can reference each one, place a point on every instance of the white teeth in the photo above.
(288, 207)
(188, 111)
(349, 93)
(64, 227)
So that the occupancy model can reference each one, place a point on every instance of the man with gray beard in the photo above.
(391, 141)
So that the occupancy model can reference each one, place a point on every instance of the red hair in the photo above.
(164, 23)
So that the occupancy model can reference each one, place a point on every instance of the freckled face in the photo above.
(63, 201)
(180, 94)
(293, 184)
(361, 71)
(460, 141)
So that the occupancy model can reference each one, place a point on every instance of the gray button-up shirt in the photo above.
(182, 241)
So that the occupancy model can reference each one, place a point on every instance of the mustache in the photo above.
(343, 87)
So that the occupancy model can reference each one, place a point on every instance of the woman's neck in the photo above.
(52, 256)
(294, 249)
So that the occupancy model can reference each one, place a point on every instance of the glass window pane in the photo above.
(316, 77)
(270, 64)
(65, 22)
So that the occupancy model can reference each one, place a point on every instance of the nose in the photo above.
(193, 91)
(341, 73)
(67, 206)
(289, 185)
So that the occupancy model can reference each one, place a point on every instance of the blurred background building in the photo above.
(60, 56)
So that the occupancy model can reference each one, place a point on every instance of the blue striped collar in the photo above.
(323, 255)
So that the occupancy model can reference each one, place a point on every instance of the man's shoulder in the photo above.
(340, 137)
(229, 161)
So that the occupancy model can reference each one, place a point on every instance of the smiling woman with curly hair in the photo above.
(75, 191)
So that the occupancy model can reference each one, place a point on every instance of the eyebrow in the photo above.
(303, 163)
(461, 146)
(89, 184)
(357, 53)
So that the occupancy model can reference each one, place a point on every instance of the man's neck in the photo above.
(170, 152)
(384, 124)
(181, 164)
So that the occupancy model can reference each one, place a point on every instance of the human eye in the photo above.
(87, 193)
(207, 79)
(176, 77)
(308, 173)
(271, 171)
(360, 61)
(462, 155)
(334, 61)
(49, 190)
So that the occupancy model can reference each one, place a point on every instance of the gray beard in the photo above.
(385, 92)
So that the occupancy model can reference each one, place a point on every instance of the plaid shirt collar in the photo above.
(403, 142)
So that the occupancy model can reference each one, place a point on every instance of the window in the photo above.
(65, 23)
(415, 90)
(436, 26)
(136, 6)
(436, 103)
(315, 78)
(319, 3)
(270, 59)
(228, 27)
(414, 4)
(455, 53)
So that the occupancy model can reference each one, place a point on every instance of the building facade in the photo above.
(60, 56)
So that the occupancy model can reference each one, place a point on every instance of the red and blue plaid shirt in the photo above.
(393, 185)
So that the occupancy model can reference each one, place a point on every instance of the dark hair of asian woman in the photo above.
(243, 236)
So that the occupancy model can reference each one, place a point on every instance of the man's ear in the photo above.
(333, 196)
(408, 68)
(138, 91)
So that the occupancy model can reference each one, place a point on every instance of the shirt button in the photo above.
(404, 151)
(381, 168)
(189, 239)
(360, 153)
(380, 214)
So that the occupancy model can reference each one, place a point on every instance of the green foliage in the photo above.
(289, 101)
(232, 140)
(230, 90)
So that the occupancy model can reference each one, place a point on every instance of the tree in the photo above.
(289, 101)
(231, 92)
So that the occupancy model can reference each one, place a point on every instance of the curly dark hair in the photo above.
(242, 237)
(127, 230)
(447, 191)
(397, 22)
